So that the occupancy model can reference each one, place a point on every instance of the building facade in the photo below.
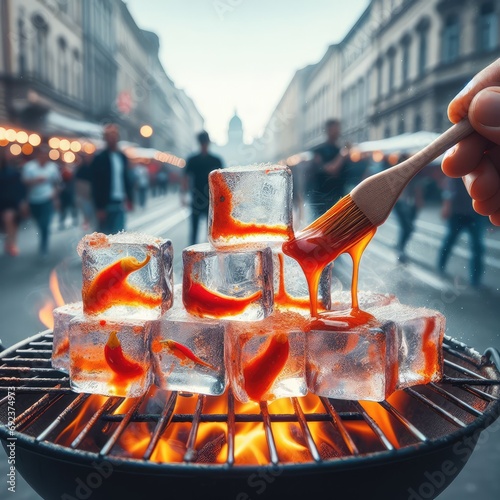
(67, 67)
(395, 71)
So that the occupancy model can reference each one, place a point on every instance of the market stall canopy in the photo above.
(57, 123)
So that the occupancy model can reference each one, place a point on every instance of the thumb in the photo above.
(484, 113)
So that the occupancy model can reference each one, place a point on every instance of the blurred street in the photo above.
(472, 315)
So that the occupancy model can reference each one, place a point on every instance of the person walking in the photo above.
(42, 178)
(327, 174)
(459, 214)
(12, 200)
(195, 180)
(141, 176)
(67, 202)
(112, 187)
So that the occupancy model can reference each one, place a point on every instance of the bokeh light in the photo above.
(75, 146)
(146, 131)
(34, 140)
(54, 142)
(10, 135)
(27, 149)
(64, 145)
(54, 154)
(22, 137)
(69, 157)
(15, 149)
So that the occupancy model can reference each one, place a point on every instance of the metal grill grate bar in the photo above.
(434, 407)
(35, 409)
(375, 427)
(419, 435)
(337, 422)
(121, 427)
(231, 428)
(165, 418)
(465, 371)
(311, 445)
(191, 455)
(74, 405)
(109, 405)
(454, 399)
(271, 444)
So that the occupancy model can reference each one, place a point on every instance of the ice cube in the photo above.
(348, 361)
(110, 357)
(290, 284)
(126, 275)
(188, 353)
(420, 333)
(60, 343)
(250, 204)
(341, 300)
(234, 285)
(265, 360)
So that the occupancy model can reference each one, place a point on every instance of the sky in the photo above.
(241, 54)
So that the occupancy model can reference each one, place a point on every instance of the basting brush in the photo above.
(366, 207)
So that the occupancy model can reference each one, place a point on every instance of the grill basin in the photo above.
(441, 422)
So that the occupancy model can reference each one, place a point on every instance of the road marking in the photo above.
(166, 225)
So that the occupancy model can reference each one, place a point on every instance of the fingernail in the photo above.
(465, 89)
(488, 109)
(450, 151)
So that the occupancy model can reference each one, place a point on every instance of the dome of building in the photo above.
(235, 122)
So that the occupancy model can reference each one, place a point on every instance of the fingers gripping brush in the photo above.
(354, 218)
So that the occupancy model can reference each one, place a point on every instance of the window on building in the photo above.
(418, 125)
(487, 27)
(40, 47)
(401, 125)
(422, 52)
(405, 60)
(77, 75)
(22, 45)
(62, 64)
(379, 78)
(392, 66)
(450, 42)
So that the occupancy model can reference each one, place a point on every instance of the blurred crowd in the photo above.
(57, 195)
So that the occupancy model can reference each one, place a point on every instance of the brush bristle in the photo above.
(342, 224)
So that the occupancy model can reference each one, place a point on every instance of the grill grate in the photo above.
(468, 395)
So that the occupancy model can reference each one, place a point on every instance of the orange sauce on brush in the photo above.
(224, 225)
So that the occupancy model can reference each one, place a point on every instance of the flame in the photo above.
(45, 313)
(211, 443)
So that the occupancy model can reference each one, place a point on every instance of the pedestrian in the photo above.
(406, 210)
(12, 201)
(42, 178)
(195, 180)
(476, 158)
(111, 184)
(327, 174)
(141, 177)
(83, 191)
(67, 200)
(162, 180)
(459, 214)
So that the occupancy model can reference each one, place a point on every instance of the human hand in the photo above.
(477, 158)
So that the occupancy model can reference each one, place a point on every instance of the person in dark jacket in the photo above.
(12, 198)
(111, 184)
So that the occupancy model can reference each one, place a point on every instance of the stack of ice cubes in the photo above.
(104, 341)
(240, 317)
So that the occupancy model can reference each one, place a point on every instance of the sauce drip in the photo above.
(224, 225)
(200, 301)
(318, 244)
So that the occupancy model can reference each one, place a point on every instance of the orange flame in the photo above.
(45, 313)
(211, 443)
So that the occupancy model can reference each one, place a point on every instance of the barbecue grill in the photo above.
(438, 426)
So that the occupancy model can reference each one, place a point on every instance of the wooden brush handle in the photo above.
(377, 195)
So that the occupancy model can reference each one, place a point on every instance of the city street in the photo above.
(472, 315)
